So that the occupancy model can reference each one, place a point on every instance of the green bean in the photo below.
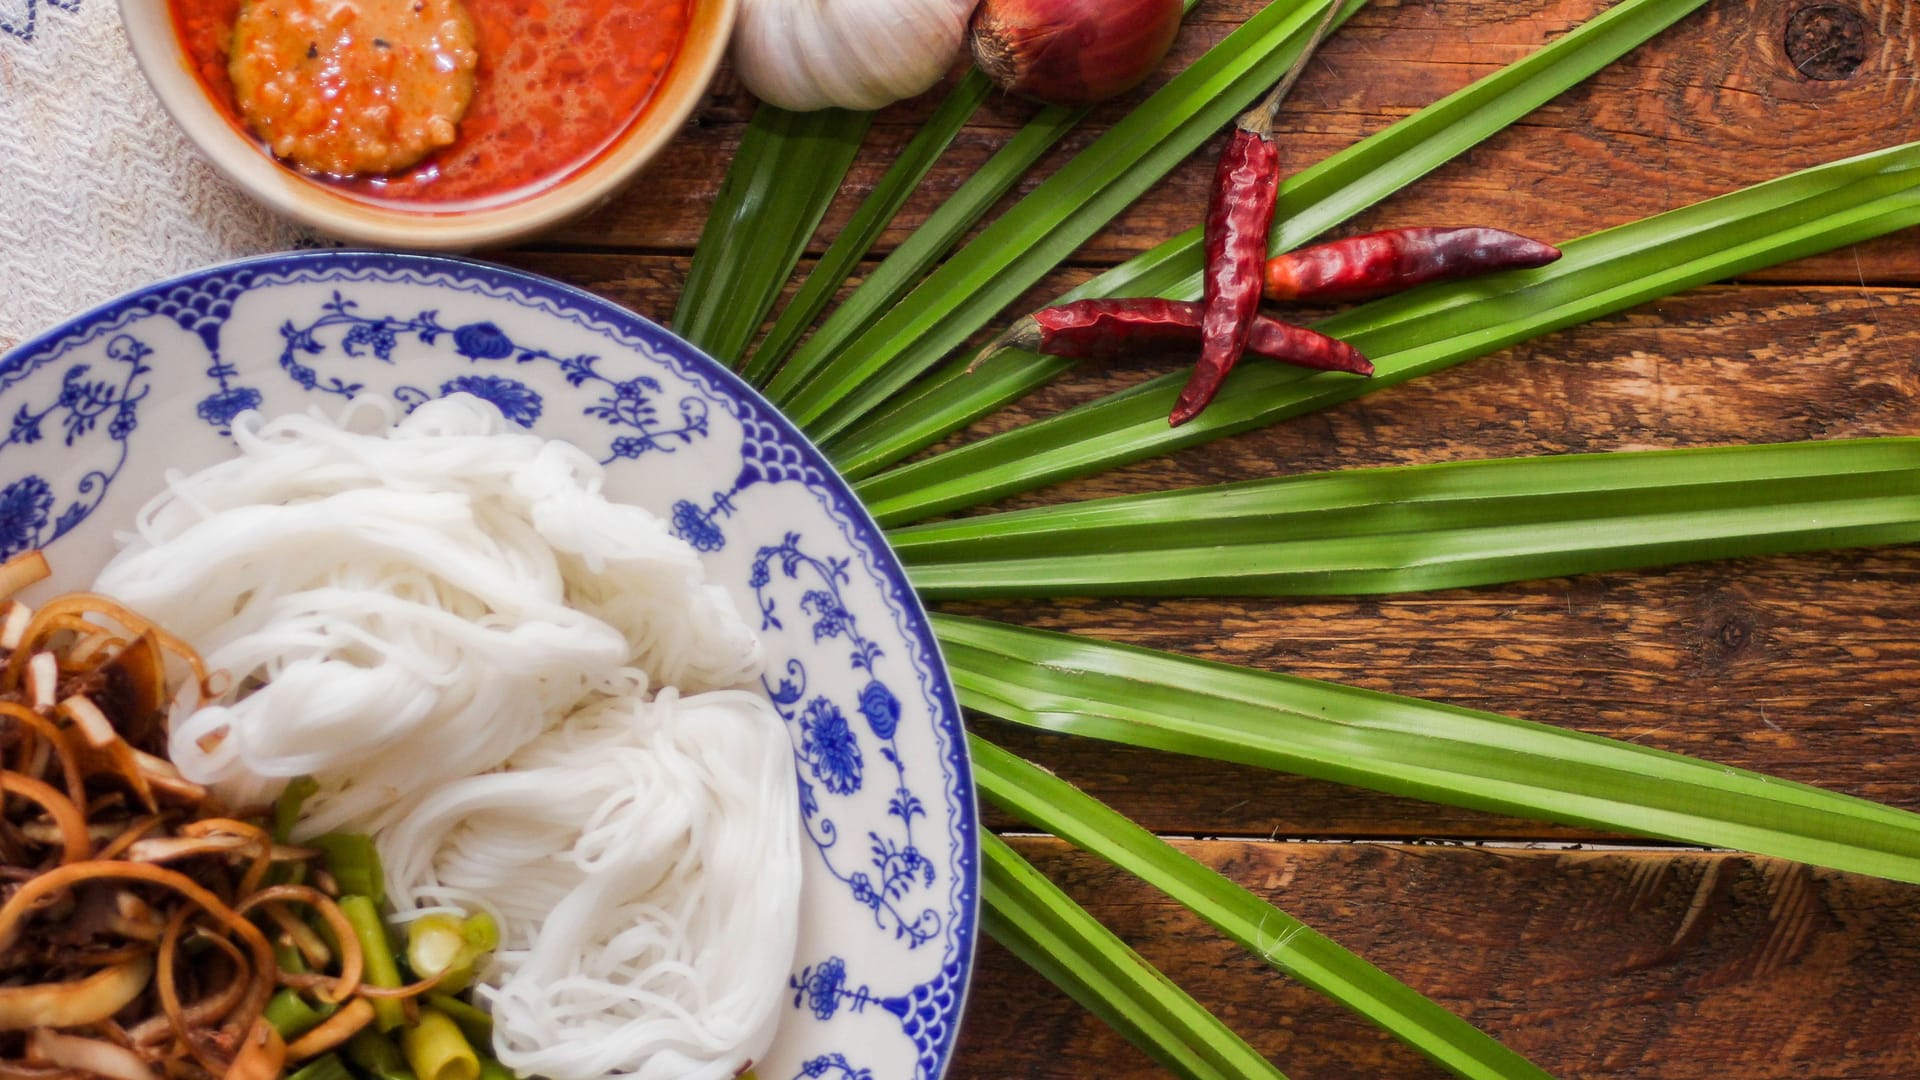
(354, 864)
(324, 1067)
(474, 1022)
(441, 943)
(433, 946)
(286, 809)
(287, 955)
(378, 1057)
(482, 934)
(293, 1015)
(381, 969)
(437, 1050)
(493, 1070)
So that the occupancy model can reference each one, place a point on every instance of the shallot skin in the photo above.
(1072, 52)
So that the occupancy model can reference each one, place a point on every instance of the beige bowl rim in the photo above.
(163, 59)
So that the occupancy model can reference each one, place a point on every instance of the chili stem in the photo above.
(1259, 119)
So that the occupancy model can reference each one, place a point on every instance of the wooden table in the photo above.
(1595, 956)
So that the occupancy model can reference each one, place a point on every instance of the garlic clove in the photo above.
(855, 54)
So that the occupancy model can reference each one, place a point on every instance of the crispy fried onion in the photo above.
(66, 816)
(97, 1057)
(76, 1003)
(29, 896)
(333, 1031)
(128, 942)
(261, 1056)
(333, 989)
(48, 621)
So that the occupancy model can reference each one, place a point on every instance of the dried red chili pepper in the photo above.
(1239, 212)
(1103, 329)
(1383, 262)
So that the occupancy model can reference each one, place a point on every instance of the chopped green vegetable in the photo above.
(493, 1070)
(324, 1067)
(481, 932)
(382, 969)
(286, 809)
(474, 1021)
(354, 864)
(293, 1015)
(287, 955)
(378, 1057)
(437, 1050)
(434, 943)
(446, 943)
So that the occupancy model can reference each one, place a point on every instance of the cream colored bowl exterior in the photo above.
(161, 56)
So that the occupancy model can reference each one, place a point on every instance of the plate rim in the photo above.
(111, 313)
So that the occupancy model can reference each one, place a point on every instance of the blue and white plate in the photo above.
(96, 412)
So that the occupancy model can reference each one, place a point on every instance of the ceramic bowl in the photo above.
(243, 160)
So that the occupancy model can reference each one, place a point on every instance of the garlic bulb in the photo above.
(856, 54)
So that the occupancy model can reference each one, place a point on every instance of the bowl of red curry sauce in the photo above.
(443, 124)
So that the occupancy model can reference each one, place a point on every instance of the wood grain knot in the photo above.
(1730, 630)
(1826, 41)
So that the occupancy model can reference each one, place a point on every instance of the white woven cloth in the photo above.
(99, 191)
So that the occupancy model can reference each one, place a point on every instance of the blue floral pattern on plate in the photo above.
(891, 890)
(827, 750)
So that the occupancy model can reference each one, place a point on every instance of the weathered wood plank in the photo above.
(1714, 104)
(1799, 666)
(1591, 963)
(1647, 963)
(1795, 665)
(1713, 366)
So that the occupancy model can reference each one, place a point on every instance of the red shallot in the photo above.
(1072, 52)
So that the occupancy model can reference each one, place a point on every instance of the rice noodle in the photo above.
(523, 691)
(639, 861)
(410, 605)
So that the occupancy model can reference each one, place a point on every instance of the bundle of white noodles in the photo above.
(664, 922)
(406, 609)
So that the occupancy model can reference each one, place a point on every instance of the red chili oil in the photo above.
(558, 81)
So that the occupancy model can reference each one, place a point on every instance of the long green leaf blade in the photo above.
(1434, 526)
(1311, 202)
(1045, 801)
(1414, 748)
(784, 176)
(875, 211)
(1056, 937)
(1436, 327)
(1013, 253)
(909, 262)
